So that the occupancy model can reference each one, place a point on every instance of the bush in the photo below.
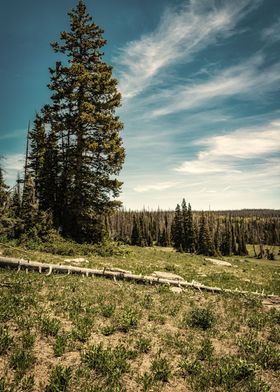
(274, 335)
(127, 320)
(225, 374)
(206, 350)
(49, 326)
(21, 360)
(107, 310)
(59, 380)
(83, 328)
(263, 353)
(143, 345)
(109, 363)
(202, 318)
(60, 345)
(160, 368)
(5, 340)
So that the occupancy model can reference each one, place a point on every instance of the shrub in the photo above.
(28, 340)
(206, 350)
(5, 340)
(109, 363)
(21, 360)
(59, 380)
(190, 368)
(257, 385)
(143, 345)
(274, 316)
(107, 310)
(274, 335)
(256, 321)
(60, 345)
(226, 373)
(83, 328)
(27, 383)
(203, 318)
(160, 368)
(147, 381)
(2, 385)
(49, 326)
(263, 353)
(127, 320)
(108, 330)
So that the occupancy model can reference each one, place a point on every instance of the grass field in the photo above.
(69, 333)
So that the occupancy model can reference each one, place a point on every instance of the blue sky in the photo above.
(200, 83)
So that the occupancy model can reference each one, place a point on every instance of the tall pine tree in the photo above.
(86, 150)
(177, 230)
(205, 244)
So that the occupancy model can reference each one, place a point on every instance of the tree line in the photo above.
(209, 233)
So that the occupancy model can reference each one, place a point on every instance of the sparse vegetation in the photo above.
(203, 318)
(147, 337)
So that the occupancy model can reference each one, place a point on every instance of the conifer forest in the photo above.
(74, 152)
(98, 297)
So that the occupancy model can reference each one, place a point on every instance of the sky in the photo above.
(200, 81)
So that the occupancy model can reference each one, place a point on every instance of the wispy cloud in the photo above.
(12, 134)
(178, 37)
(226, 153)
(272, 33)
(246, 80)
(161, 186)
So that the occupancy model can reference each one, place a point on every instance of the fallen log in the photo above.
(9, 262)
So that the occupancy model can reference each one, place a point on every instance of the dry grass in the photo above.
(151, 338)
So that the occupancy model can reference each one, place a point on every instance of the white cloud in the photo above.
(155, 187)
(247, 80)
(180, 34)
(227, 153)
(199, 166)
(12, 164)
(272, 33)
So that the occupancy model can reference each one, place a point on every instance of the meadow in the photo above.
(72, 333)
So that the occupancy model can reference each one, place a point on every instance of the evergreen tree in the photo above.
(205, 245)
(185, 225)
(242, 248)
(86, 148)
(36, 157)
(136, 236)
(3, 194)
(217, 238)
(177, 230)
(226, 245)
(4, 206)
(190, 231)
(233, 239)
(29, 205)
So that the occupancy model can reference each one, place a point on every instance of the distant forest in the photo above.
(211, 232)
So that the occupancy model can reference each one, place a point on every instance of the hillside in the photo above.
(71, 333)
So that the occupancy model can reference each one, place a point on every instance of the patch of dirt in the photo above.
(46, 361)
(273, 302)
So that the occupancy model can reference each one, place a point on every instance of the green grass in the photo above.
(69, 333)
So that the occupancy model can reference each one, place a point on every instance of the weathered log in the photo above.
(112, 274)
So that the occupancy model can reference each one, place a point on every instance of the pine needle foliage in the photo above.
(76, 146)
